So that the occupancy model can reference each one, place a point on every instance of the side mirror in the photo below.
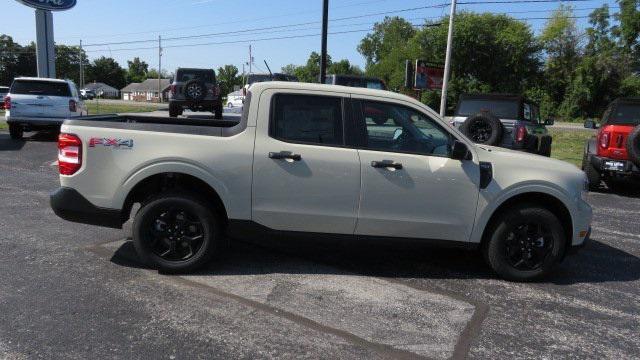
(590, 124)
(460, 151)
(549, 122)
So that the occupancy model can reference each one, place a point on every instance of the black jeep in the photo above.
(504, 120)
(196, 90)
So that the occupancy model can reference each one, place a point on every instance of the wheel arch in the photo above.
(172, 181)
(542, 199)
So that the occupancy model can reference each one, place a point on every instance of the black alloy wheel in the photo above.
(528, 246)
(175, 234)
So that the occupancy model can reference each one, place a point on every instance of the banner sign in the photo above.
(428, 77)
(52, 5)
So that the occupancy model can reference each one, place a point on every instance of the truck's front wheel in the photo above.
(526, 243)
(176, 233)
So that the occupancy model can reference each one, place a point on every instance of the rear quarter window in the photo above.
(505, 109)
(44, 88)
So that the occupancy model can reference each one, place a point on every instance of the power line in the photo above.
(265, 28)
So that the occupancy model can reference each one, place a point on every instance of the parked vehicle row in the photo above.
(38, 104)
(310, 159)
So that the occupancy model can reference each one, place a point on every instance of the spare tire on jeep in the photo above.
(633, 146)
(483, 128)
(195, 90)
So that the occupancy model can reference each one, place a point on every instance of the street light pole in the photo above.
(447, 65)
(325, 29)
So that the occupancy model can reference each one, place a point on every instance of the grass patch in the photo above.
(97, 109)
(568, 145)
(3, 124)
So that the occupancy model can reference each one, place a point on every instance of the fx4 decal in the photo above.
(114, 143)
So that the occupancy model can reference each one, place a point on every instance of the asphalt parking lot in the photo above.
(74, 291)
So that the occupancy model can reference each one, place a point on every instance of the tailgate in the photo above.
(39, 106)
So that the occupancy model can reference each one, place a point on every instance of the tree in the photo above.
(68, 62)
(228, 78)
(153, 74)
(344, 67)
(561, 42)
(108, 71)
(137, 71)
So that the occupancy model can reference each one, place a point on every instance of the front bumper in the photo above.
(614, 166)
(70, 205)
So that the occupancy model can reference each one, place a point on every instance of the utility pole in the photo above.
(447, 64)
(159, 68)
(250, 61)
(325, 27)
(81, 79)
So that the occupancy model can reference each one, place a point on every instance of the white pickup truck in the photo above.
(318, 159)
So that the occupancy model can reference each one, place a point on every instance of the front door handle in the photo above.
(384, 164)
(283, 155)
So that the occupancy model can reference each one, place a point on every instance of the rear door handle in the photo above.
(384, 164)
(283, 155)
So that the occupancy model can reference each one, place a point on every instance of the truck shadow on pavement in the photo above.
(596, 263)
(7, 144)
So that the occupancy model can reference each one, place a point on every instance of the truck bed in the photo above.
(228, 126)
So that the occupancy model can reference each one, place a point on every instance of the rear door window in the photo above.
(44, 88)
(307, 119)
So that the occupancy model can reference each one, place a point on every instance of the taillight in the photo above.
(604, 139)
(173, 89)
(69, 154)
(72, 105)
(216, 90)
(7, 102)
(521, 134)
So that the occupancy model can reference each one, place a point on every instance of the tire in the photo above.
(16, 132)
(533, 143)
(526, 243)
(217, 111)
(175, 110)
(633, 146)
(195, 90)
(593, 175)
(167, 247)
(483, 128)
(545, 145)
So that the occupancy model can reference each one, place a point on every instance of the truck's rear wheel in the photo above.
(175, 110)
(176, 233)
(16, 132)
(217, 111)
(526, 243)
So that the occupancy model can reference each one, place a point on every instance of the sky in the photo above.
(226, 28)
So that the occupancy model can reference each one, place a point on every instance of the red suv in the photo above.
(615, 150)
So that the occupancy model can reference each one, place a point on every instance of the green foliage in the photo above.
(108, 71)
(137, 71)
(228, 77)
(311, 71)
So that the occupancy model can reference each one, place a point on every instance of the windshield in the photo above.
(625, 114)
(506, 109)
(46, 88)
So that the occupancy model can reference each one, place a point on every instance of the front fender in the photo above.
(492, 198)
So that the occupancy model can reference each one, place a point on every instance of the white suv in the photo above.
(39, 103)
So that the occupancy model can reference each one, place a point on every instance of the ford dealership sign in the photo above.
(54, 5)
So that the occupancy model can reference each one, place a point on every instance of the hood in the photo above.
(512, 160)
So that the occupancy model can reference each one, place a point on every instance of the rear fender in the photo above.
(171, 166)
